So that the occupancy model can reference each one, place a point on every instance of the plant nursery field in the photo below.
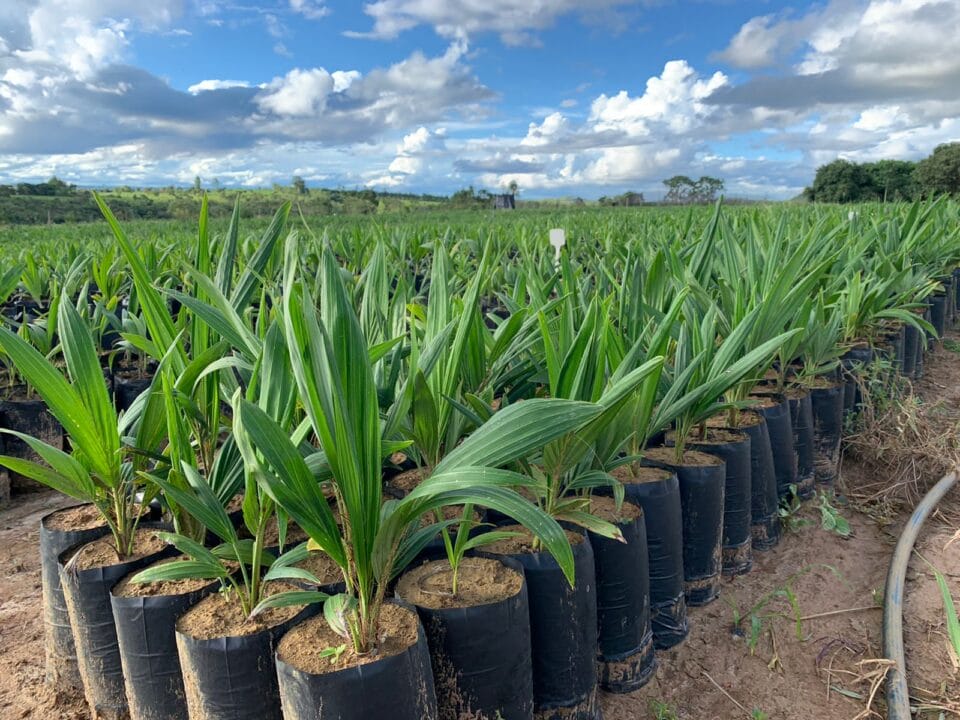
(456, 466)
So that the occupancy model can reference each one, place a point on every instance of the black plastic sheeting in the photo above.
(701, 502)
(61, 668)
(801, 421)
(911, 338)
(781, 443)
(126, 390)
(146, 632)
(234, 678)
(896, 346)
(827, 406)
(481, 657)
(737, 556)
(956, 288)
(663, 518)
(563, 633)
(938, 312)
(399, 687)
(29, 417)
(625, 637)
(923, 338)
(850, 363)
(87, 593)
(764, 502)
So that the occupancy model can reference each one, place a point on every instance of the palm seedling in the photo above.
(375, 540)
(195, 375)
(100, 468)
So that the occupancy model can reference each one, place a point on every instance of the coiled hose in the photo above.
(898, 694)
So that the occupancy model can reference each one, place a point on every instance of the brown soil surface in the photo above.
(23, 692)
(18, 394)
(407, 481)
(747, 418)
(102, 552)
(126, 588)
(605, 508)
(322, 567)
(714, 436)
(522, 542)
(294, 536)
(636, 474)
(759, 399)
(236, 503)
(821, 383)
(668, 456)
(796, 393)
(481, 581)
(220, 615)
(784, 677)
(131, 372)
(448, 512)
(301, 646)
(82, 517)
(932, 667)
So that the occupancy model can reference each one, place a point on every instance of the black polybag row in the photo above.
(30, 417)
(87, 594)
(564, 662)
(938, 310)
(801, 421)
(764, 501)
(663, 517)
(481, 656)
(399, 687)
(146, 632)
(626, 658)
(780, 431)
(737, 555)
(234, 678)
(702, 506)
(827, 406)
(911, 339)
(851, 363)
(61, 661)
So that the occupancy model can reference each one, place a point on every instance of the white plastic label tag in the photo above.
(558, 238)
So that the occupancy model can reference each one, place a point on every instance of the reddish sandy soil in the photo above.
(811, 669)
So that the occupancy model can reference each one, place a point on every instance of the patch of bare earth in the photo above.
(828, 664)
(23, 692)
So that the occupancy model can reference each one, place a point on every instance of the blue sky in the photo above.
(565, 98)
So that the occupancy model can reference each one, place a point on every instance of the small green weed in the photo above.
(949, 608)
(758, 618)
(830, 518)
(789, 510)
(951, 345)
(333, 653)
(662, 710)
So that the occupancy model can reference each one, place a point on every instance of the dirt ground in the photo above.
(824, 665)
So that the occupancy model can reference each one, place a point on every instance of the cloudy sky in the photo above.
(564, 97)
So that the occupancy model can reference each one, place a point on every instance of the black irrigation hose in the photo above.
(898, 695)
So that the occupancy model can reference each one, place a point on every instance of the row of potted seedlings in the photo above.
(505, 575)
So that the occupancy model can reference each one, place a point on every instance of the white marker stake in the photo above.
(558, 238)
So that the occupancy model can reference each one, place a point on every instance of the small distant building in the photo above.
(506, 201)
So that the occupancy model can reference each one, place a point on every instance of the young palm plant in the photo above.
(242, 563)
(375, 540)
(100, 468)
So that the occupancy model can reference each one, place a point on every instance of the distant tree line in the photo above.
(843, 181)
(54, 187)
(627, 199)
(55, 201)
(682, 190)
